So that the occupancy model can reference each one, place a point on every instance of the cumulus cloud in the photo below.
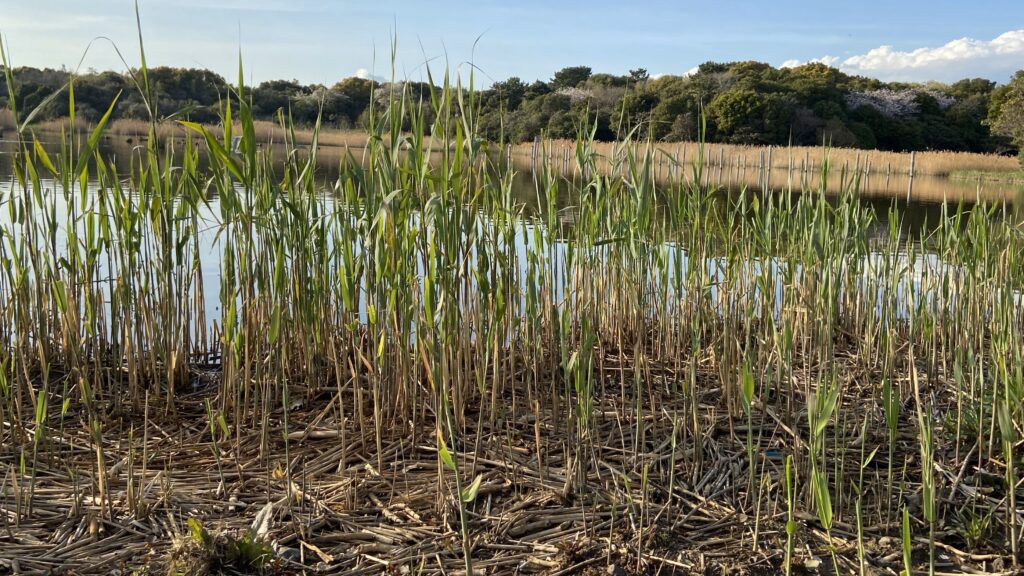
(827, 60)
(365, 74)
(996, 59)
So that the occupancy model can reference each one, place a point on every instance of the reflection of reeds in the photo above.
(406, 366)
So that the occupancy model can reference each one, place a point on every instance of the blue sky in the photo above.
(328, 40)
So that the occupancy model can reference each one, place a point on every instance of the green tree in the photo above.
(1006, 113)
(638, 77)
(33, 86)
(351, 97)
(672, 118)
(606, 81)
(736, 114)
(273, 95)
(536, 90)
(570, 77)
(967, 117)
(890, 133)
(971, 87)
(634, 110)
(562, 124)
(95, 92)
(508, 93)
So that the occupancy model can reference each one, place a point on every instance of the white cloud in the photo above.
(962, 58)
(691, 71)
(367, 75)
(827, 60)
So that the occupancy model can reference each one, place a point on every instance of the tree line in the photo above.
(738, 102)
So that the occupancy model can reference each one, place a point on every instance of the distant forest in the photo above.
(742, 102)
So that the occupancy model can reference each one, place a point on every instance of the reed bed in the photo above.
(801, 159)
(1013, 177)
(173, 132)
(265, 132)
(407, 372)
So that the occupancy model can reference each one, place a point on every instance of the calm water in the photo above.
(877, 190)
(914, 217)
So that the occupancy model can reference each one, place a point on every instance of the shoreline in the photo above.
(925, 162)
(937, 176)
(1001, 177)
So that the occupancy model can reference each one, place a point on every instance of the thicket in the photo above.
(743, 102)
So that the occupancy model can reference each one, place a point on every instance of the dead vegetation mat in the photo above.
(658, 485)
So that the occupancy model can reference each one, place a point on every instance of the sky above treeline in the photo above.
(327, 40)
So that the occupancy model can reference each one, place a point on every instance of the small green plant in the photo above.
(819, 413)
(790, 513)
(973, 527)
(908, 546)
(224, 553)
(891, 411)
(929, 498)
(747, 383)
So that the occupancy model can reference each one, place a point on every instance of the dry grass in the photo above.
(58, 125)
(272, 132)
(741, 158)
(1016, 177)
(880, 174)
(140, 128)
(7, 120)
(538, 507)
(266, 132)
(935, 163)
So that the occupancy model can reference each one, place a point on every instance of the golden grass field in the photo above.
(883, 173)
(802, 158)
(266, 131)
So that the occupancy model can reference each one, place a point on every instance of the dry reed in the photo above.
(807, 159)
